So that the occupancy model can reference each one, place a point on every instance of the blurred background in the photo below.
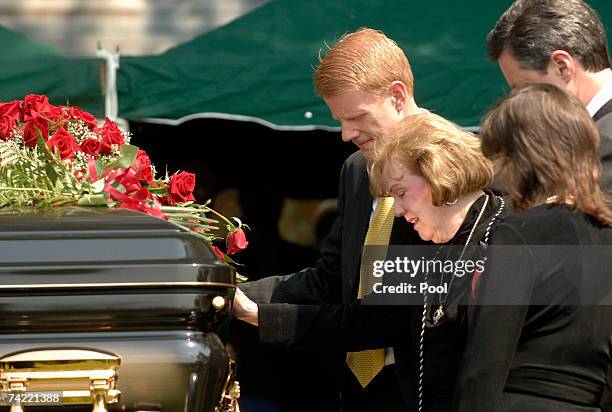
(223, 88)
(138, 27)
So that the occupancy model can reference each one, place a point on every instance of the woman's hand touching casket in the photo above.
(245, 309)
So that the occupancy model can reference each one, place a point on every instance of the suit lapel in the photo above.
(360, 212)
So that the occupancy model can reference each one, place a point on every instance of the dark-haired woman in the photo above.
(540, 332)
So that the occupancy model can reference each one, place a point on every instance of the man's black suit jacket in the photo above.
(603, 119)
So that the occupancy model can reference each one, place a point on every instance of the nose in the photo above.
(349, 132)
(398, 209)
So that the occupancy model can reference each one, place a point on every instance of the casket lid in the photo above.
(104, 248)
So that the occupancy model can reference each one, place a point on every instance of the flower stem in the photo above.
(25, 189)
(226, 220)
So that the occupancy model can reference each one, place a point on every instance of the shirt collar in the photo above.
(601, 98)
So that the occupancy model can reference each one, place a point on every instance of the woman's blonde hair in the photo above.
(427, 145)
(367, 60)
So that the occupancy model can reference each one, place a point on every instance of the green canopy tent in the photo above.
(27, 67)
(15, 45)
(259, 67)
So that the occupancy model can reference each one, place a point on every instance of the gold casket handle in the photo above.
(231, 391)
(81, 375)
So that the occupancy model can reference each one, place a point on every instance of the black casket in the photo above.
(111, 308)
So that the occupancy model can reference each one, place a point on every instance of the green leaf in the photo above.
(129, 152)
(127, 157)
(231, 261)
(92, 200)
(42, 146)
(51, 173)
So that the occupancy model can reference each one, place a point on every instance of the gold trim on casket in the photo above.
(117, 285)
(81, 376)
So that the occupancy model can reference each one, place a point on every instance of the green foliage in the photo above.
(28, 179)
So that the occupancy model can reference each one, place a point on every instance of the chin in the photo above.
(430, 237)
(367, 152)
(425, 236)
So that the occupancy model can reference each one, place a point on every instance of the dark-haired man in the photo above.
(561, 42)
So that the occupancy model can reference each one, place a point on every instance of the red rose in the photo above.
(34, 105)
(65, 144)
(85, 117)
(56, 113)
(236, 241)
(164, 200)
(143, 165)
(31, 131)
(219, 253)
(180, 188)
(12, 110)
(111, 135)
(6, 127)
(91, 146)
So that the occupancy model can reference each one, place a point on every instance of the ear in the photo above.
(562, 65)
(397, 91)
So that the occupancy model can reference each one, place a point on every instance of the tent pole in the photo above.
(111, 100)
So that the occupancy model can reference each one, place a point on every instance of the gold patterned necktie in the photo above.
(368, 363)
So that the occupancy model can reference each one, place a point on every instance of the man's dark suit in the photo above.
(334, 279)
(603, 119)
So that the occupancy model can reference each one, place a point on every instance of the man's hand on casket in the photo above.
(245, 309)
